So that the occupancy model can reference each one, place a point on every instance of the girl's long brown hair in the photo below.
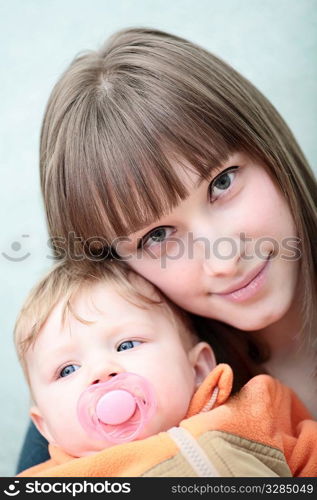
(118, 115)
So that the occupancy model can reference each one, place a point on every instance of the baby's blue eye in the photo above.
(67, 370)
(128, 344)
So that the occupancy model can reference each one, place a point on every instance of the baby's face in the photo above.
(68, 357)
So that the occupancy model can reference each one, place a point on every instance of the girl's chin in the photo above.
(256, 322)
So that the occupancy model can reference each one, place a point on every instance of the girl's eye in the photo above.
(156, 236)
(128, 344)
(221, 183)
(67, 370)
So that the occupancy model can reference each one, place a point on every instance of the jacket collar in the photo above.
(213, 392)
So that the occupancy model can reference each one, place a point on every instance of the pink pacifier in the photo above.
(117, 410)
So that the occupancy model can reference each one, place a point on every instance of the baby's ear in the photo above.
(203, 361)
(39, 423)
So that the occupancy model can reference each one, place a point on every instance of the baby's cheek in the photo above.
(170, 416)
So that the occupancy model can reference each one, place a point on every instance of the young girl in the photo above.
(159, 151)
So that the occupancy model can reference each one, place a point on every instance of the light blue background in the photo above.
(272, 42)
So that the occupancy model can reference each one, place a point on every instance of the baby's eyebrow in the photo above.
(52, 357)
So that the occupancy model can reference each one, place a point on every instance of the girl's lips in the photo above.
(250, 286)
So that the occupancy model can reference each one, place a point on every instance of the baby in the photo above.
(121, 382)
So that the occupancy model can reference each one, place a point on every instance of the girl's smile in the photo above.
(250, 286)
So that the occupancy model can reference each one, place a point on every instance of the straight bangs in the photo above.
(134, 167)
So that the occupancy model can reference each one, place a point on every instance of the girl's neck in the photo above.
(284, 337)
(290, 360)
(299, 373)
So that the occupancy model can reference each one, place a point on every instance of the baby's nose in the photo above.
(104, 369)
(104, 378)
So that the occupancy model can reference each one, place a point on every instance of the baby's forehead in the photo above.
(107, 308)
(144, 287)
(110, 298)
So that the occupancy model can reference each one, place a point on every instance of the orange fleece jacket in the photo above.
(264, 412)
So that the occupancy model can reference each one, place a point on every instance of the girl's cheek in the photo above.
(181, 281)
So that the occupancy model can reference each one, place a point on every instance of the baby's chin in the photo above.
(86, 449)
(94, 448)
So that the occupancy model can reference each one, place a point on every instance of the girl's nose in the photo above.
(212, 245)
(223, 258)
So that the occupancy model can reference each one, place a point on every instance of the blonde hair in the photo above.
(117, 116)
(60, 283)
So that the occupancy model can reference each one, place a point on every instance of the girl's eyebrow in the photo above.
(149, 226)
(196, 185)
(145, 225)
(200, 181)
(141, 228)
